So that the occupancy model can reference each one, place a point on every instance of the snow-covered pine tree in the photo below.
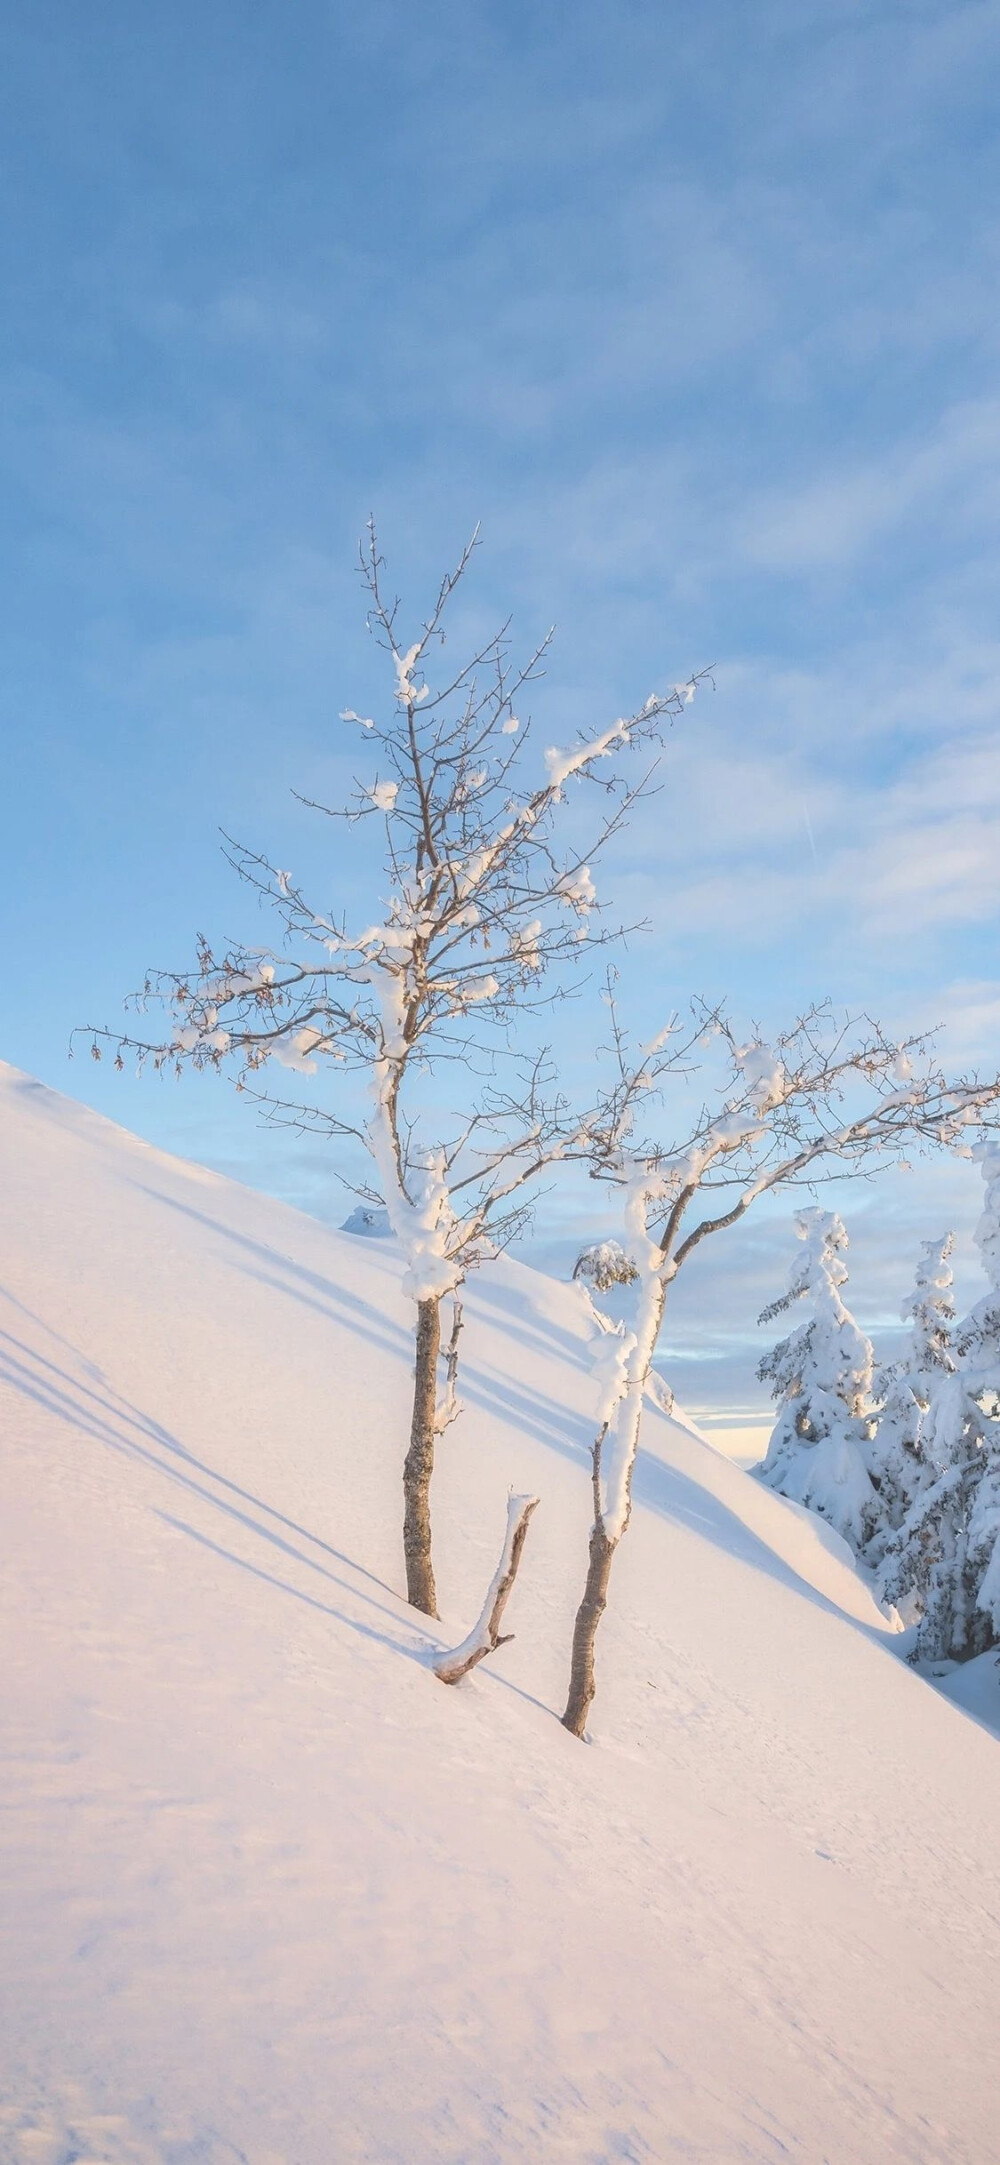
(928, 1569)
(819, 1453)
(484, 901)
(942, 1566)
(981, 1355)
(903, 1391)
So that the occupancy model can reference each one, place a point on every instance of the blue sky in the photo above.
(694, 309)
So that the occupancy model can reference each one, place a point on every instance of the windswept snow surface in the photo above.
(273, 1893)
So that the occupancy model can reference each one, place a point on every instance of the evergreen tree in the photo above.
(905, 1388)
(929, 1569)
(820, 1450)
(943, 1562)
(981, 1347)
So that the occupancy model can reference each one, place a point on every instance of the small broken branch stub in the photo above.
(486, 1635)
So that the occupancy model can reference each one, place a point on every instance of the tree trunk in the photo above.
(486, 1636)
(588, 1616)
(419, 1463)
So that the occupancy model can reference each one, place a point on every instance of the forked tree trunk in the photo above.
(614, 1456)
(588, 1616)
(419, 1462)
(486, 1635)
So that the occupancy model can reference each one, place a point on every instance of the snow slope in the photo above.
(272, 1893)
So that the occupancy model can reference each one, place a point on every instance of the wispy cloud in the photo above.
(711, 349)
(946, 478)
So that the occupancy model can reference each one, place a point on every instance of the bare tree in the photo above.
(481, 918)
(827, 1098)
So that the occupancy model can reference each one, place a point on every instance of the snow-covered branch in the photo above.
(485, 1636)
(828, 1095)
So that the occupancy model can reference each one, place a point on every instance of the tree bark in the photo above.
(419, 1463)
(486, 1636)
(588, 1616)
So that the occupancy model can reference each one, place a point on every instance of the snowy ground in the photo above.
(744, 1441)
(272, 1893)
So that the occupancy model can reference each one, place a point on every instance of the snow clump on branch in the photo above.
(407, 693)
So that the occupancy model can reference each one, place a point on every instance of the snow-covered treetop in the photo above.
(821, 1266)
(605, 1264)
(369, 1221)
(931, 1307)
(829, 1351)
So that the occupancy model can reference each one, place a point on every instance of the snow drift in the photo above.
(272, 1893)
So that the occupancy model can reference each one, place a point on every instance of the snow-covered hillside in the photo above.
(272, 1893)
